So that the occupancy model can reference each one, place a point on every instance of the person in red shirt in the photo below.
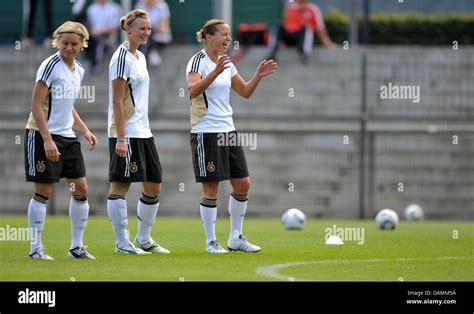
(300, 21)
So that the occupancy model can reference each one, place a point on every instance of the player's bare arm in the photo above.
(118, 87)
(246, 89)
(40, 91)
(82, 127)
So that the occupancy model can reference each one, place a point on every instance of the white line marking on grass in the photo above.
(272, 270)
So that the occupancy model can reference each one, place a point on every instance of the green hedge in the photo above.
(407, 29)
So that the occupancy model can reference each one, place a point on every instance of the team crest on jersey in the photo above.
(40, 166)
(211, 167)
(133, 167)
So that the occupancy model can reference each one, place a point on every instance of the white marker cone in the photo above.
(334, 240)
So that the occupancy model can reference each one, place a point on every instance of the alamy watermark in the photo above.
(237, 139)
(85, 92)
(402, 92)
(346, 233)
(9, 233)
(37, 297)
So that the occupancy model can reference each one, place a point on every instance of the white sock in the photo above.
(208, 217)
(36, 216)
(237, 209)
(146, 218)
(78, 213)
(117, 210)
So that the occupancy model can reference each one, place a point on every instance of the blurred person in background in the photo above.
(78, 11)
(102, 17)
(48, 20)
(159, 13)
(301, 20)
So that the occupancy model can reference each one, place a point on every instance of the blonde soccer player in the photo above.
(52, 150)
(133, 154)
(211, 76)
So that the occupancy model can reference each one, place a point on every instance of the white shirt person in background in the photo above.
(159, 13)
(102, 17)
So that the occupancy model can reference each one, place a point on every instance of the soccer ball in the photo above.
(386, 219)
(414, 212)
(293, 219)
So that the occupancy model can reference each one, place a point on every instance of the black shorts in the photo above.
(39, 169)
(142, 163)
(213, 161)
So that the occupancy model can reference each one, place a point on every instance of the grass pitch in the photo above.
(415, 251)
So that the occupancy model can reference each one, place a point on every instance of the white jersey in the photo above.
(211, 111)
(135, 103)
(64, 87)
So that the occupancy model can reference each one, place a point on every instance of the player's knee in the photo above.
(152, 189)
(80, 189)
(243, 186)
(158, 189)
(119, 188)
(210, 190)
(210, 193)
(45, 190)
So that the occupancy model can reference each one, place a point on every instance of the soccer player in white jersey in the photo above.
(133, 155)
(52, 150)
(211, 76)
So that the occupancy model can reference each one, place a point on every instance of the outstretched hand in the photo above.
(266, 67)
(222, 64)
